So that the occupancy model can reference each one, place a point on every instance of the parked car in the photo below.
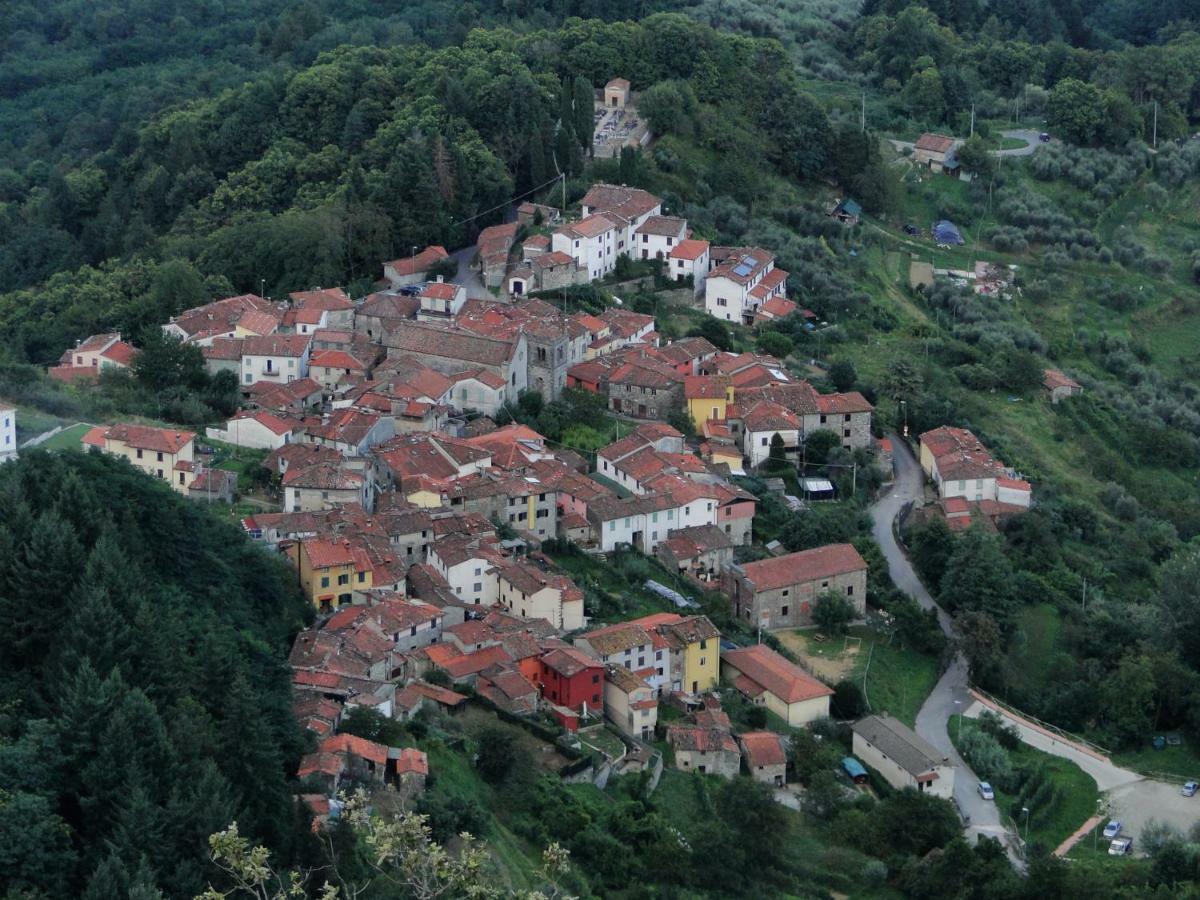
(1112, 829)
(986, 792)
(1044, 137)
(911, 229)
(1120, 847)
(1189, 789)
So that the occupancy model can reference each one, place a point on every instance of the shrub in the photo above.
(990, 761)
(848, 701)
(832, 613)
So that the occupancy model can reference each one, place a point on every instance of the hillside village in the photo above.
(704, 450)
(429, 540)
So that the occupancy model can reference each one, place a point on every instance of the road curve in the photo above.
(950, 694)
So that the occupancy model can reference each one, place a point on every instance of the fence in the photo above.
(1082, 743)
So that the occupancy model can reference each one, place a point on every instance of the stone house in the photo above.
(780, 592)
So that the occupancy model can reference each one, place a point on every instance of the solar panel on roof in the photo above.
(742, 270)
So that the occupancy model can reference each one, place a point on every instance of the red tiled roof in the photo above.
(276, 345)
(410, 760)
(763, 748)
(625, 201)
(705, 387)
(935, 143)
(336, 359)
(473, 663)
(441, 695)
(690, 249)
(567, 661)
(143, 437)
(413, 264)
(693, 738)
(440, 290)
(663, 226)
(804, 566)
(323, 553)
(360, 747)
(121, 353)
(322, 298)
(767, 669)
(1055, 379)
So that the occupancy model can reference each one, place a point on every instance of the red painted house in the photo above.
(570, 678)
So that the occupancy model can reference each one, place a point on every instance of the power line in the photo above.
(508, 201)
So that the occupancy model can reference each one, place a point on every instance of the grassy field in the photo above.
(1181, 761)
(68, 438)
(454, 777)
(1077, 793)
(1030, 662)
(895, 679)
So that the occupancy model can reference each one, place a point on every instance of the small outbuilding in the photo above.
(946, 233)
(616, 94)
(847, 212)
(1059, 385)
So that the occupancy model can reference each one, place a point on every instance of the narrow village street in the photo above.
(950, 695)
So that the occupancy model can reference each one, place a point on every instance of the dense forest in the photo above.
(147, 698)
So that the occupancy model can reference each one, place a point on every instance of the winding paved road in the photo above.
(1032, 139)
(950, 694)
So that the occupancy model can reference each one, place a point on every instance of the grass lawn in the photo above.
(1031, 661)
(603, 740)
(453, 776)
(897, 679)
(68, 438)
(31, 422)
(1182, 761)
(1077, 793)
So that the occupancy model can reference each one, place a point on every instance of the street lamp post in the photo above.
(1025, 812)
(904, 410)
(958, 727)
(1096, 832)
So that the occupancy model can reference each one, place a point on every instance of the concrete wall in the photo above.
(897, 777)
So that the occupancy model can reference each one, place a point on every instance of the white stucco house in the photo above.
(279, 358)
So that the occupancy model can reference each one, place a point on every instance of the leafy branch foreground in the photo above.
(400, 857)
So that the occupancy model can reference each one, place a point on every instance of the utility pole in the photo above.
(563, 176)
(863, 117)
(972, 120)
(1154, 139)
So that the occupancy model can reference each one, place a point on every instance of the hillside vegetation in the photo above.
(147, 703)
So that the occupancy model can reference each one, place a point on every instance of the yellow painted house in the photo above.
(695, 645)
(708, 397)
(164, 453)
(330, 571)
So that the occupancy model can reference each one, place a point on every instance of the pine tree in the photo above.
(138, 834)
(108, 880)
(49, 555)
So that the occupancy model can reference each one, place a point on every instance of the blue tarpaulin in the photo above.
(854, 769)
(946, 232)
